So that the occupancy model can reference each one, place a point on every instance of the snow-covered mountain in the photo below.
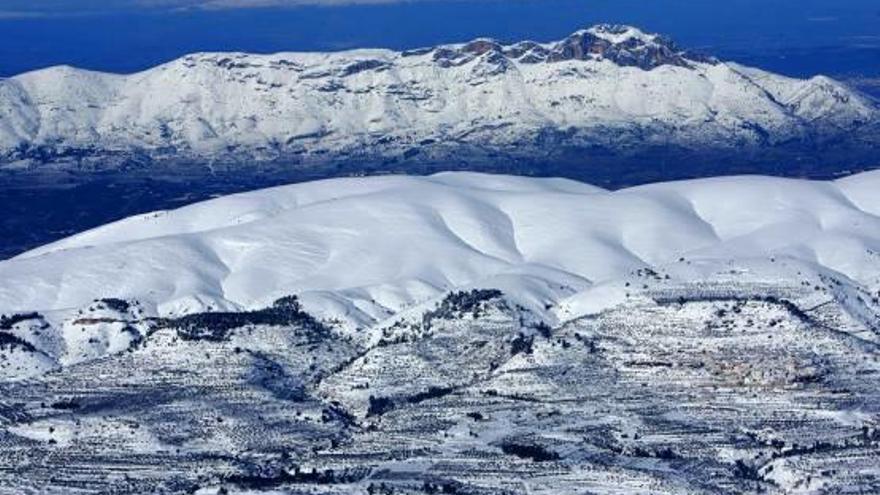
(458, 333)
(361, 252)
(607, 86)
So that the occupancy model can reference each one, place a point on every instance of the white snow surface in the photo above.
(207, 104)
(361, 250)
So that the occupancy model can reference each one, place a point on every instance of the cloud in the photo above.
(17, 14)
(38, 9)
(245, 4)
(827, 18)
(34, 9)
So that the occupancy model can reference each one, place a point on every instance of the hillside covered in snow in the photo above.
(361, 251)
(456, 333)
(607, 89)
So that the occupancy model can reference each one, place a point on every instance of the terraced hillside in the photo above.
(721, 387)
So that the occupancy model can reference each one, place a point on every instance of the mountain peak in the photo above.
(620, 33)
(626, 46)
(623, 45)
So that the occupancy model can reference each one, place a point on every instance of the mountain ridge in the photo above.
(607, 86)
(364, 254)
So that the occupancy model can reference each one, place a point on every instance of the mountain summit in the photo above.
(625, 46)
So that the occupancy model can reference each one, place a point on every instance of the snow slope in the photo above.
(361, 250)
(236, 106)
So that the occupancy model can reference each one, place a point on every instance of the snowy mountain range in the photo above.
(457, 333)
(461, 332)
(607, 87)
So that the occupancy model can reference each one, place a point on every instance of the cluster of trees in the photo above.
(9, 341)
(215, 326)
(7, 322)
(458, 304)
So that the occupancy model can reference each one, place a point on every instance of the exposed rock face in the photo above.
(623, 45)
(626, 48)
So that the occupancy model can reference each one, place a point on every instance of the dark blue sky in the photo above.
(798, 37)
